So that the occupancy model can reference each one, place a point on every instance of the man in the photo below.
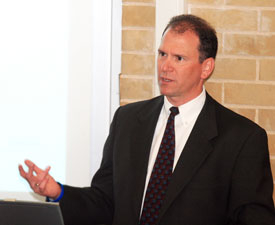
(212, 167)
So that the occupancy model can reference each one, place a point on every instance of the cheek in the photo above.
(189, 74)
(159, 72)
(159, 66)
(182, 75)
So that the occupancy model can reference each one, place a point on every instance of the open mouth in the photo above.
(165, 79)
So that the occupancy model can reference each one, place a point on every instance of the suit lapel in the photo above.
(141, 142)
(195, 152)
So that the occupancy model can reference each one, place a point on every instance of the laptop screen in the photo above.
(30, 213)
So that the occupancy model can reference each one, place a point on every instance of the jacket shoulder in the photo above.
(226, 116)
(139, 106)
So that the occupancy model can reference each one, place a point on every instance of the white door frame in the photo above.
(106, 70)
(99, 21)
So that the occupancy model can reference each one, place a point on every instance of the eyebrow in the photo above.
(159, 50)
(176, 54)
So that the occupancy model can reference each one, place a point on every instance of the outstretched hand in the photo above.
(40, 180)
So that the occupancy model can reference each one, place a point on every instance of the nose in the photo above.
(166, 65)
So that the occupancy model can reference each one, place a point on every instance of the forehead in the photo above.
(187, 40)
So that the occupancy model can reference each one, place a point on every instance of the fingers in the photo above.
(35, 176)
(43, 177)
(32, 167)
(43, 184)
(22, 171)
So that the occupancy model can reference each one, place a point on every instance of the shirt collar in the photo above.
(189, 110)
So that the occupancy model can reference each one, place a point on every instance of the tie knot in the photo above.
(174, 111)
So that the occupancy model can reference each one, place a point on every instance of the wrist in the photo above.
(58, 198)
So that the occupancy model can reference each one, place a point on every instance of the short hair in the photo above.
(208, 45)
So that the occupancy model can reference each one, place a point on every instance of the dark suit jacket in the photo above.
(223, 175)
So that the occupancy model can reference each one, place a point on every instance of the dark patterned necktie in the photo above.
(161, 174)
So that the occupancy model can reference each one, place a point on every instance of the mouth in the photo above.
(164, 79)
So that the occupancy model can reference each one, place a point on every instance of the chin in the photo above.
(165, 92)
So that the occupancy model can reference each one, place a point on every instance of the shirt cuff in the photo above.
(48, 199)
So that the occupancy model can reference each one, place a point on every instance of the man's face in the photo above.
(179, 69)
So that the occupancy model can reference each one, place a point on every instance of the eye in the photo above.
(161, 53)
(179, 58)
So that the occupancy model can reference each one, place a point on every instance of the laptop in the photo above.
(30, 213)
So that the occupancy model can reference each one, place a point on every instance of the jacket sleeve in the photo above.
(252, 184)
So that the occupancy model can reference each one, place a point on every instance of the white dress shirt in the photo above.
(184, 123)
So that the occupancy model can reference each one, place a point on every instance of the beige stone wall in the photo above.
(138, 50)
(244, 77)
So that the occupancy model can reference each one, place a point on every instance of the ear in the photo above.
(208, 66)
